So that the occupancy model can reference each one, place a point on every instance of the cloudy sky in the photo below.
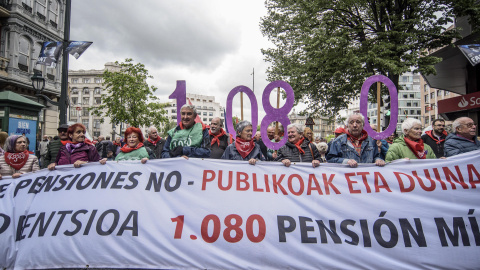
(211, 44)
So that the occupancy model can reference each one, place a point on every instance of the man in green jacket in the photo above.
(54, 146)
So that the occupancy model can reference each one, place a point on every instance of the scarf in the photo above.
(216, 137)
(153, 142)
(298, 144)
(117, 144)
(244, 147)
(16, 160)
(357, 142)
(435, 138)
(87, 141)
(416, 147)
(127, 149)
(72, 146)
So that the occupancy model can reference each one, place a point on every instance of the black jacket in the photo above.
(216, 150)
(290, 151)
(156, 148)
(436, 144)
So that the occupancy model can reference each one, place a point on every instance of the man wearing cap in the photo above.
(54, 146)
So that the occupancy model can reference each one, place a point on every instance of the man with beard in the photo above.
(188, 139)
(54, 146)
(154, 142)
(355, 146)
(298, 149)
(219, 139)
(435, 138)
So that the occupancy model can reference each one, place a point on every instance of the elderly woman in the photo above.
(244, 147)
(16, 159)
(134, 148)
(298, 148)
(76, 150)
(410, 145)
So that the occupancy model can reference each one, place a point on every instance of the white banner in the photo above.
(217, 214)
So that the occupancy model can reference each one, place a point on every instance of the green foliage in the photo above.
(166, 127)
(129, 99)
(326, 49)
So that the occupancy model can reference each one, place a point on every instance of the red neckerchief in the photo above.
(203, 125)
(154, 142)
(298, 144)
(117, 144)
(416, 147)
(357, 142)
(16, 160)
(87, 141)
(127, 149)
(244, 147)
(388, 141)
(216, 137)
(430, 134)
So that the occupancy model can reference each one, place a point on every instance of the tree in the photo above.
(129, 98)
(326, 49)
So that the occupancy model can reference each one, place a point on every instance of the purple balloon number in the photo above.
(274, 114)
(180, 95)
(253, 103)
(393, 111)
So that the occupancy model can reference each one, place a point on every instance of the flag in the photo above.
(50, 53)
(471, 52)
(76, 48)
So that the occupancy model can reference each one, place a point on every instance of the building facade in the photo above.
(322, 127)
(24, 26)
(206, 106)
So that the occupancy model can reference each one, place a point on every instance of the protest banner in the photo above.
(218, 214)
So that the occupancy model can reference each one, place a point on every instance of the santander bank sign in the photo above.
(460, 103)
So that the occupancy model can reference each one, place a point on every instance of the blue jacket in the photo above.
(231, 153)
(342, 150)
(455, 145)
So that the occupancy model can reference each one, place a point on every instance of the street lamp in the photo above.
(38, 83)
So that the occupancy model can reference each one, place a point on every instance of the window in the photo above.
(204, 119)
(86, 91)
(74, 100)
(412, 95)
(96, 123)
(427, 120)
(419, 112)
(408, 87)
(53, 13)
(416, 87)
(97, 91)
(96, 134)
(439, 93)
(24, 54)
(210, 119)
(84, 111)
(85, 123)
(432, 95)
(86, 101)
(98, 80)
(86, 80)
(446, 93)
(41, 8)
(409, 104)
(174, 110)
(74, 91)
(205, 113)
(405, 96)
(74, 80)
(426, 98)
(73, 112)
(210, 108)
(98, 100)
(210, 114)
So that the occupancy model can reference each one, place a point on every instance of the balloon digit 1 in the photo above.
(180, 95)
(274, 114)
(394, 106)
(254, 107)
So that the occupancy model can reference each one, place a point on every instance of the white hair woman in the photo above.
(410, 145)
(244, 147)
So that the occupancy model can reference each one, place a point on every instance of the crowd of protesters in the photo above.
(193, 139)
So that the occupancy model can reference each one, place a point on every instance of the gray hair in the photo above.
(191, 107)
(322, 147)
(297, 126)
(408, 124)
(242, 125)
(221, 121)
(353, 114)
(458, 123)
(149, 129)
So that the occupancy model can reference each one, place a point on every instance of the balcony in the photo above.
(41, 16)
(54, 24)
(23, 67)
(27, 7)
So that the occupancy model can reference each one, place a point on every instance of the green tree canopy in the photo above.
(326, 49)
(129, 98)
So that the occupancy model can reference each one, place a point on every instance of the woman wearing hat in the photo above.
(17, 160)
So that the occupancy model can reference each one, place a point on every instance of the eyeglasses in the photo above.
(469, 125)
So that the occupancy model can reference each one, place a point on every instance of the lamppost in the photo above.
(38, 83)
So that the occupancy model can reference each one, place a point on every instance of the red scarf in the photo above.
(416, 147)
(154, 142)
(127, 149)
(16, 160)
(298, 144)
(87, 141)
(117, 144)
(357, 142)
(216, 137)
(244, 147)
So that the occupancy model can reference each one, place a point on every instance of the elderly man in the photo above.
(463, 139)
(219, 139)
(355, 146)
(298, 149)
(54, 146)
(435, 138)
(188, 139)
(154, 142)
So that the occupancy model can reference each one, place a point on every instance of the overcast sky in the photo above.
(211, 44)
